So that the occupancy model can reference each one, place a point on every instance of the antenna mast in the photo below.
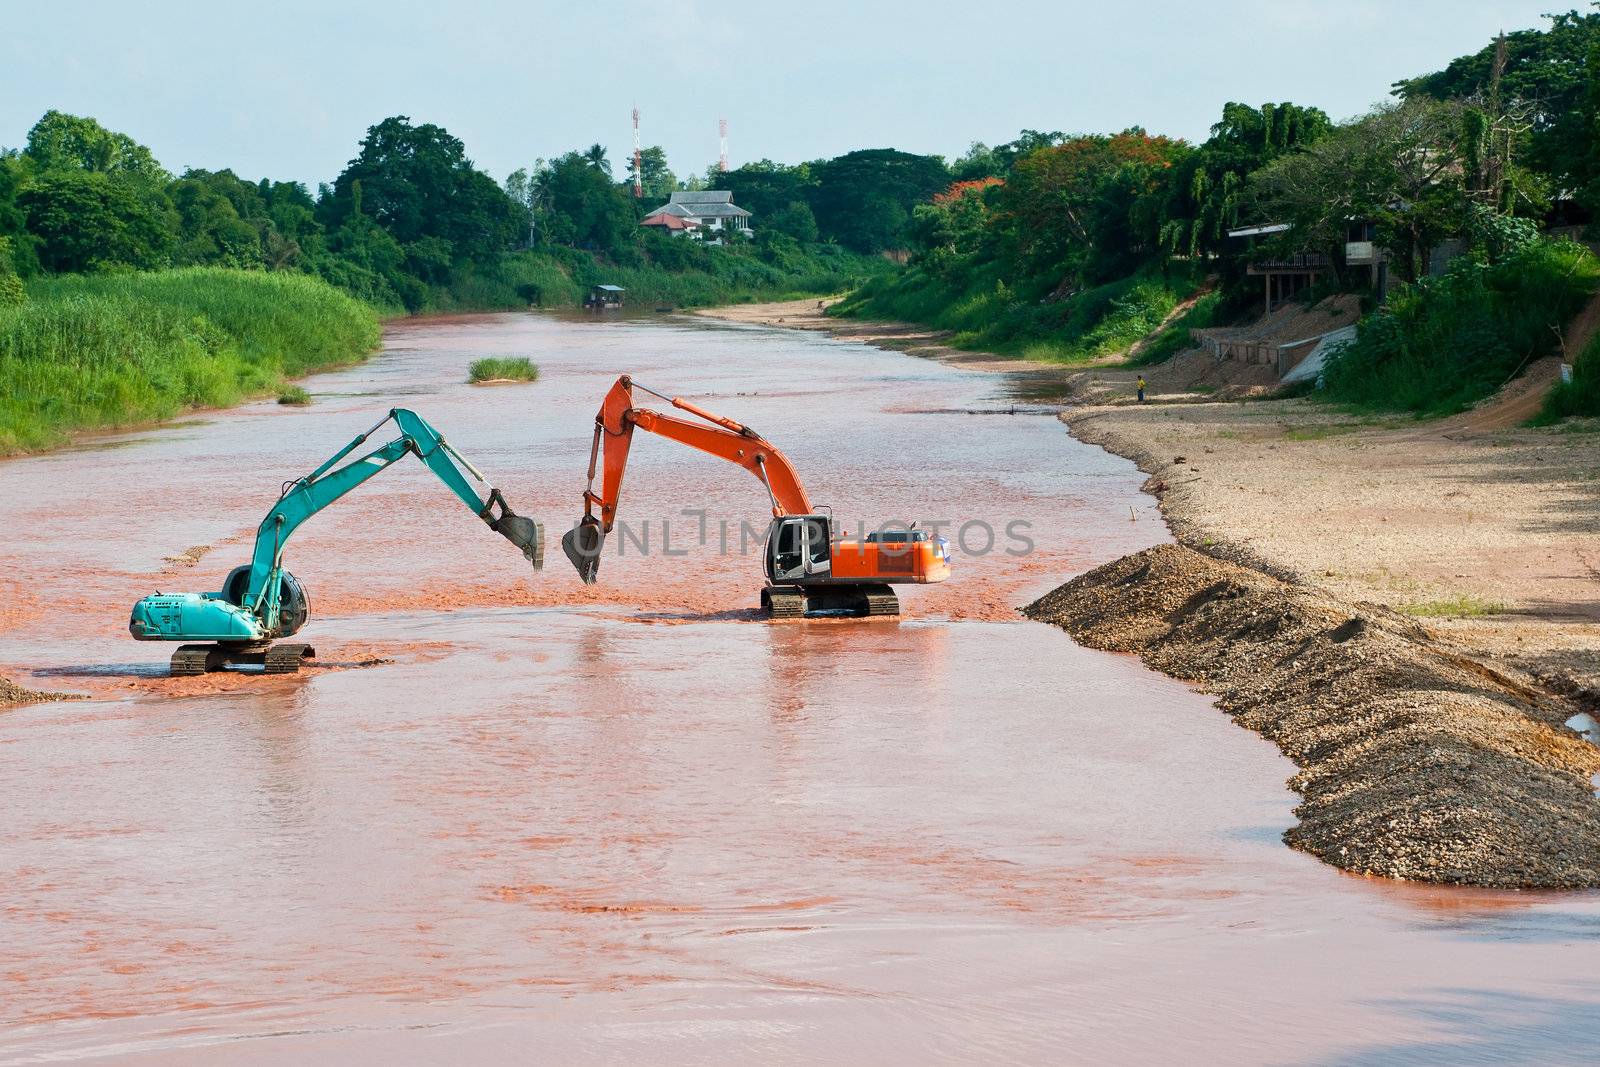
(722, 133)
(638, 159)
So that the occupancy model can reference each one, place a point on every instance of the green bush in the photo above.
(505, 369)
(97, 351)
(1580, 396)
(294, 395)
(1440, 345)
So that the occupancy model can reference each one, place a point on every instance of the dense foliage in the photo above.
(1053, 245)
(412, 224)
(1543, 88)
(1438, 345)
(1070, 247)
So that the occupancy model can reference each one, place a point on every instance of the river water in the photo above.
(632, 822)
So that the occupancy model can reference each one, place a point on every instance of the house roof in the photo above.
(611, 288)
(706, 204)
(669, 221)
(702, 196)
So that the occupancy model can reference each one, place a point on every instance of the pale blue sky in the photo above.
(285, 88)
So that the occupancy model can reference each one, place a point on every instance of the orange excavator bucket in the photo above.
(582, 546)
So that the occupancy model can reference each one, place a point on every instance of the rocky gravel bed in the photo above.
(1419, 758)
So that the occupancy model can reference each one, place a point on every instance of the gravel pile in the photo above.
(1418, 758)
(12, 693)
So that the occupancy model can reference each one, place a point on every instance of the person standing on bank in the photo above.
(1141, 388)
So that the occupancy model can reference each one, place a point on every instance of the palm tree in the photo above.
(595, 156)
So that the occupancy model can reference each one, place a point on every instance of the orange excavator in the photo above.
(808, 571)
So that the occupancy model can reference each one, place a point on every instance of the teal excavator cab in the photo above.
(261, 603)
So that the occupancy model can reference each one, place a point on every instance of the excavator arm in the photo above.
(712, 434)
(304, 497)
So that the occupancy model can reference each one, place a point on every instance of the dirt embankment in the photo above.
(1418, 758)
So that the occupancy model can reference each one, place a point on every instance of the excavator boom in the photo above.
(260, 602)
(805, 568)
(714, 435)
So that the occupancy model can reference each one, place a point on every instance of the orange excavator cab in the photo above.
(809, 571)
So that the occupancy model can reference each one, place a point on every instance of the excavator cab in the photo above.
(799, 549)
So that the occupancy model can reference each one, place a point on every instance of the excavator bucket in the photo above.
(582, 545)
(525, 534)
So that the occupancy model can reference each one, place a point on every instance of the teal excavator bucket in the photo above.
(525, 534)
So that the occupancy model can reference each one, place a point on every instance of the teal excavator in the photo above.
(261, 603)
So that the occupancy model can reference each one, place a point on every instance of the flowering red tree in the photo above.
(958, 190)
(1064, 200)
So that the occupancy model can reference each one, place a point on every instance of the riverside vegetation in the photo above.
(1049, 246)
(1071, 248)
(128, 294)
(111, 349)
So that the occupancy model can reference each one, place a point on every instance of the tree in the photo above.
(1400, 166)
(656, 180)
(595, 156)
(793, 220)
(1208, 190)
(1545, 79)
(981, 161)
(59, 141)
(952, 231)
(1059, 203)
(776, 195)
(586, 208)
(86, 220)
(20, 257)
(222, 221)
(977, 163)
(526, 189)
(417, 182)
(864, 199)
(12, 292)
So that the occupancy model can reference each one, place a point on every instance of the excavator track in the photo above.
(880, 600)
(862, 601)
(779, 603)
(197, 659)
(288, 658)
(285, 658)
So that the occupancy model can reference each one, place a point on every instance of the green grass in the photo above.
(294, 395)
(1177, 335)
(1461, 607)
(111, 350)
(985, 314)
(1320, 433)
(506, 369)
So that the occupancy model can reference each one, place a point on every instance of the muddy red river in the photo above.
(514, 819)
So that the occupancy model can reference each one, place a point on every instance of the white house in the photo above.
(707, 212)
